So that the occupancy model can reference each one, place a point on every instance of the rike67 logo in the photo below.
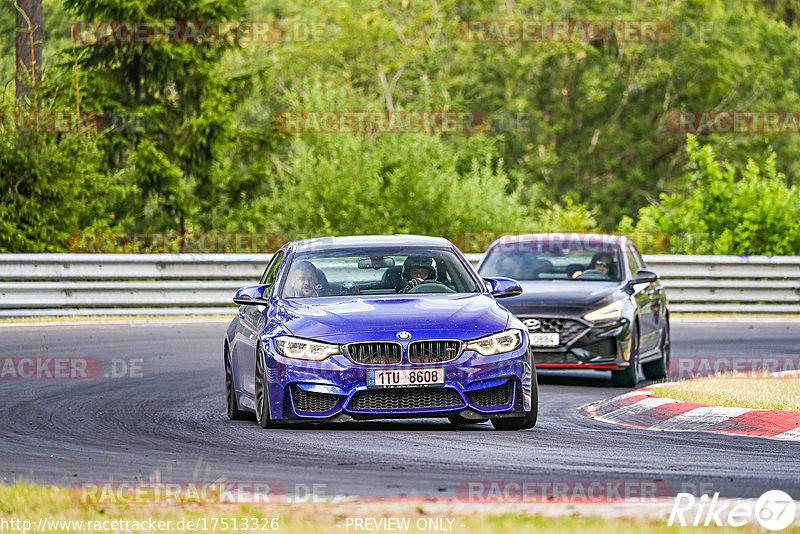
(774, 510)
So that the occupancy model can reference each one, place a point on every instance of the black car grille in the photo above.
(493, 396)
(555, 357)
(434, 351)
(307, 401)
(605, 348)
(406, 399)
(375, 353)
(567, 329)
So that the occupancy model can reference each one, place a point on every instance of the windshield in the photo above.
(377, 271)
(557, 260)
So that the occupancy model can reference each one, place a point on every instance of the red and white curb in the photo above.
(643, 409)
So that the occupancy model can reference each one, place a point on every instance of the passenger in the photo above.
(304, 281)
(511, 266)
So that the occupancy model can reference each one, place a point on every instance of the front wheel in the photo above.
(657, 370)
(630, 376)
(262, 396)
(526, 421)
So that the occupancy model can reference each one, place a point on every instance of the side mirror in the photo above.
(503, 287)
(643, 276)
(252, 295)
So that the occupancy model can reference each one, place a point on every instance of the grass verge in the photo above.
(26, 502)
(765, 392)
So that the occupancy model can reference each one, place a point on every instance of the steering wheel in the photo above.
(431, 286)
(592, 274)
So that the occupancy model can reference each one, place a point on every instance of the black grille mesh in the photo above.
(555, 357)
(306, 401)
(375, 353)
(493, 396)
(406, 399)
(606, 348)
(567, 329)
(434, 351)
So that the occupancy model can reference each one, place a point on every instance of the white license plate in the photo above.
(387, 378)
(545, 340)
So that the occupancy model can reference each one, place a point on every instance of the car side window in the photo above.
(633, 262)
(271, 272)
(638, 256)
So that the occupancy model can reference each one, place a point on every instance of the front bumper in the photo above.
(336, 389)
(603, 345)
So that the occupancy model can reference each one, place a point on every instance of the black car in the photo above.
(589, 302)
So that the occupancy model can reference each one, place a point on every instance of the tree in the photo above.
(183, 99)
(28, 48)
(729, 211)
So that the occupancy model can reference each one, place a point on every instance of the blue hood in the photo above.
(451, 316)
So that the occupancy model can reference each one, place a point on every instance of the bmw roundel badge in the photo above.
(404, 335)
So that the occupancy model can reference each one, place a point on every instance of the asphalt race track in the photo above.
(169, 420)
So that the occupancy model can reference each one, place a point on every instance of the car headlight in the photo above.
(612, 311)
(496, 343)
(304, 349)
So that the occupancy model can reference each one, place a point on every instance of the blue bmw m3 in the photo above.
(378, 327)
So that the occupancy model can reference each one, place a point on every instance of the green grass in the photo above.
(24, 501)
(738, 390)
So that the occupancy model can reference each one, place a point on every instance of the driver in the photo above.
(417, 269)
(600, 262)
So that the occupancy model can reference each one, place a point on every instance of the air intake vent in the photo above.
(493, 396)
(307, 401)
(405, 399)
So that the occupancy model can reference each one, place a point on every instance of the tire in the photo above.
(232, 405)
(526, 421)
(657, 370)
(458, 420)
(629, 377)
(262, 398)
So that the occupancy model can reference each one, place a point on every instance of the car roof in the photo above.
(322, 243)
(605, 239)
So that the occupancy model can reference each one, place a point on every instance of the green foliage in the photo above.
(754, 213)
(50, 188)
(587, 146)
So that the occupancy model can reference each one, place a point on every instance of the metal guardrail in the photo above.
(166, 284)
